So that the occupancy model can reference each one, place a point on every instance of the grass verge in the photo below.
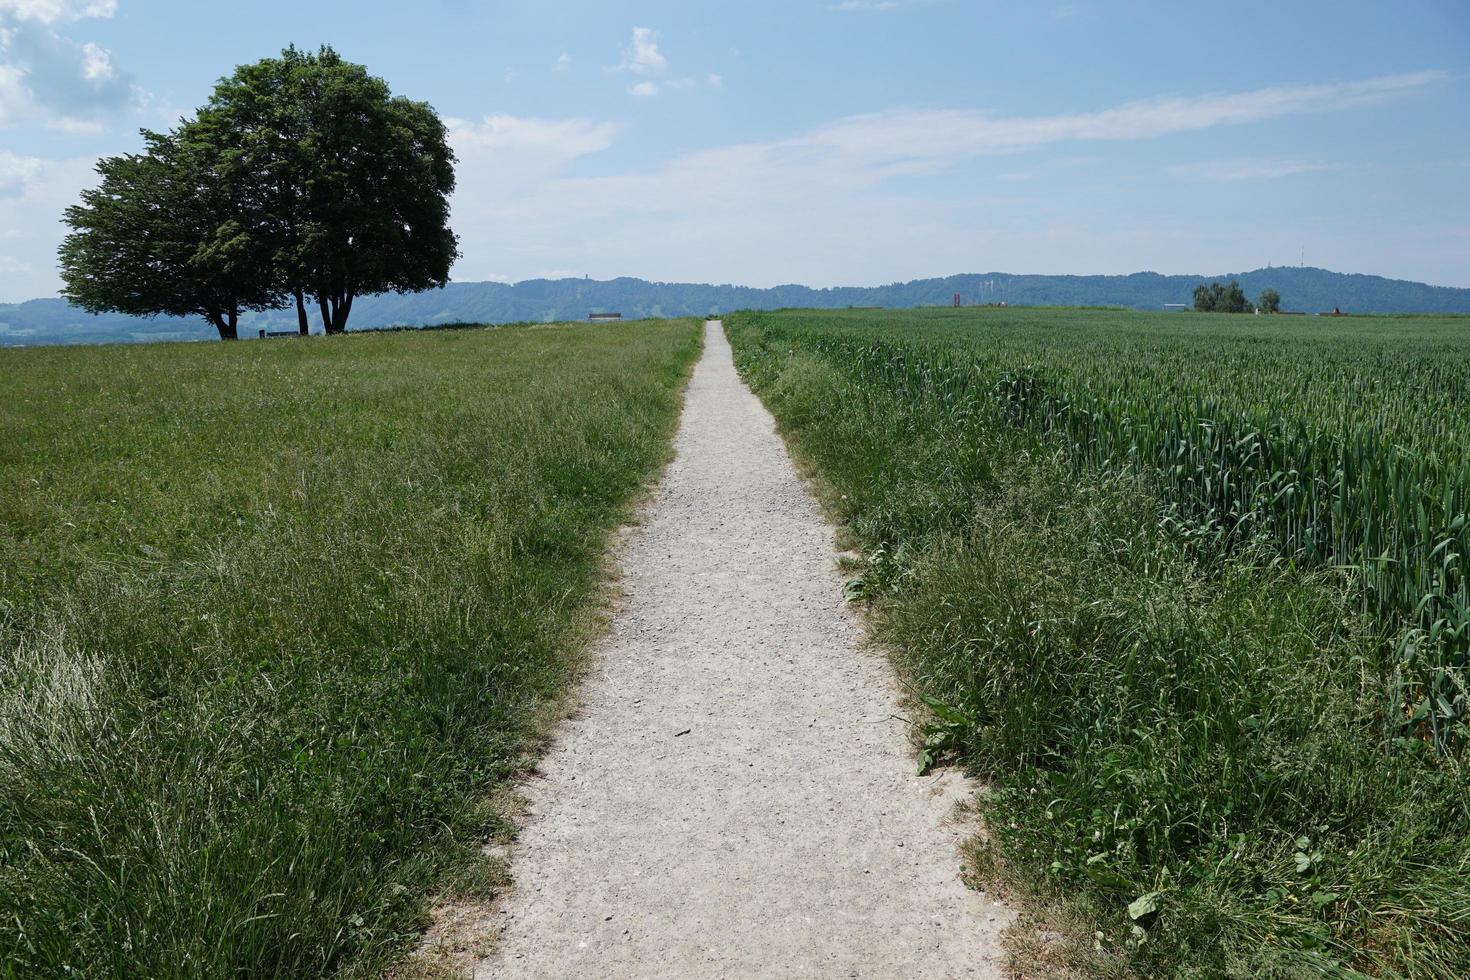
(276, 619)
(1187, 743)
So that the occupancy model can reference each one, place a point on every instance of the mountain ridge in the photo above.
(1306, 289)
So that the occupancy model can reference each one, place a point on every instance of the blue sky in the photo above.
(826, 141)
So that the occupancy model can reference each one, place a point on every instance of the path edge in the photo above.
(463, 930)
(1041, 936)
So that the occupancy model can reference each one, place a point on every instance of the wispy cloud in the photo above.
(502, 157)
(563, 61)
(642, 56)
(1249, 169)
(905, 137)
(643, 59)
(33, 193)
(806, 206)
(517, 145)
(17, 173)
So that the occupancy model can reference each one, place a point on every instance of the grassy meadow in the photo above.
(1190, 591)
(277, 619)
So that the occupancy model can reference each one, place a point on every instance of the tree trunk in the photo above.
(335, 310)
(344, 310)
(302, 324)
(227, 328)
(321, 300)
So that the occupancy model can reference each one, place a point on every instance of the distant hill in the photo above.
(53, 321)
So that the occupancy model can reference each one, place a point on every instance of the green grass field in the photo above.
(1190, 590)
(277, 619)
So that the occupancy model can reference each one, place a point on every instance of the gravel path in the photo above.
(735, 798)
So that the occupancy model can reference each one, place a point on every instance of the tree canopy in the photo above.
(1270, 301)
(1216, 298)
(303, 176)
(162, 234)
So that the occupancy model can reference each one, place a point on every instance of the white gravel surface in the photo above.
(735, 798)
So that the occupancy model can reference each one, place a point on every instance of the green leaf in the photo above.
(1144, 905)
(1107, 877)
(952, 715)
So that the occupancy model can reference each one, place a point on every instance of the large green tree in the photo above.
(165, 234)
(353, 182)
(303, 176)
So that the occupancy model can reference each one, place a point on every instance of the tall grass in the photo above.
(1198, 729)
(277, 618)
(1269, 430)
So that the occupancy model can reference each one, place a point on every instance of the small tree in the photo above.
(1207, 298)
(1216, 298)
(1234, 300)
(1270, 301)
(165, 234)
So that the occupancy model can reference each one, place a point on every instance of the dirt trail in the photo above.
(735, 798)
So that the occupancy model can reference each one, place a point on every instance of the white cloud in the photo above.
(563, 61)
(905, 138)
(73, 126)
(56, 11)
(502, 157)
(33, 194)
(97, 63)
(1249, 169)
(713, 80)
(18, 173)
(642, 56)
(819, 206)
(46, 76)
(644, 89)
(519, 144)
(15, 98)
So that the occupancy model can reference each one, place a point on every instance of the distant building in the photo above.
(604, 316)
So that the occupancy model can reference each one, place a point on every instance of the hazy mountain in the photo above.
(53, 321)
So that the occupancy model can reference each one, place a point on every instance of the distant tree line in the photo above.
(302, 181)
(1216, 298)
